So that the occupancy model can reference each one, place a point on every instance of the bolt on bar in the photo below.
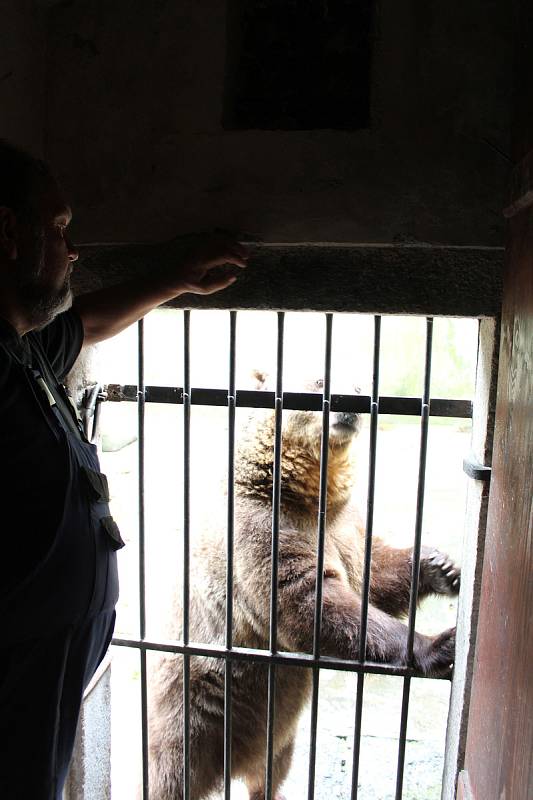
(276, 498)
(374, 411)
(424, 429)
(186, 546)
(229, 555)
(321, 531)
(142, 562)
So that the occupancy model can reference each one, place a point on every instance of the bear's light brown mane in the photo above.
(300, 470)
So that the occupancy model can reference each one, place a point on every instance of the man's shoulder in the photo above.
(61, 340)
(62, 327)
(13, 352)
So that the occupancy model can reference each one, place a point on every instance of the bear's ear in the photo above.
(260, 378)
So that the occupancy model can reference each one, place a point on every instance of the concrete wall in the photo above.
(135, 96)
(22, 73)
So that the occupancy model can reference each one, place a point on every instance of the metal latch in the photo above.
(475, 470)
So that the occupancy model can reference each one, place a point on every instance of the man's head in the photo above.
(36, 255)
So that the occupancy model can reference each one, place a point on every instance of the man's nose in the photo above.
(73, 253)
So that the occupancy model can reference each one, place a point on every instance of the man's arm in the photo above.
(106, 312)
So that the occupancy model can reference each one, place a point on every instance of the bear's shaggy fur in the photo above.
(341, 609)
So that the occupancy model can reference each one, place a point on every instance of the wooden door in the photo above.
(499, 747)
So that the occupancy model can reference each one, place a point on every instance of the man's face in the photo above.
(46, 256)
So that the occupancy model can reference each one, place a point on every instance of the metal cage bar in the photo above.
(321, 534)
(276, 498)
(254, 655)
(186, 546)
(229, 553)
(424, 429)
(365, 591)
(279, 400)
(292, 401)
(142, 554)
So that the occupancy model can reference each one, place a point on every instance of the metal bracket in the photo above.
(90, 409)
(475, 470)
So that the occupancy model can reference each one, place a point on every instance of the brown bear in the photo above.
(340, 625)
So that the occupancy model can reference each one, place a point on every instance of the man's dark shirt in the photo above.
(33, 463)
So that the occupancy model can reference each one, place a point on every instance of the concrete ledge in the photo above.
(406, 279)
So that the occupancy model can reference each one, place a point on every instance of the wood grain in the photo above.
(499, 751)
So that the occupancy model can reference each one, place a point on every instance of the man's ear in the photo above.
(8, 238)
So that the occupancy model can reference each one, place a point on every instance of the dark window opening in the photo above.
(298, 64)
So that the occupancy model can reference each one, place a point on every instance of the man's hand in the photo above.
(200, 255)
(198, 264)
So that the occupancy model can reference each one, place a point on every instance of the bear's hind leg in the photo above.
(280, 770)
(206, 753)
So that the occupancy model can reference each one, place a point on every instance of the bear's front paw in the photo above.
(434, 655)
(438, 573)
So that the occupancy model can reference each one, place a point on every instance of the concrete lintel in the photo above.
(404, 279)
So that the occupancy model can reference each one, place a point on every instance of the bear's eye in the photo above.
(319, 383)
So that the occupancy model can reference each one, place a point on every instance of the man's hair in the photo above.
(20, 174)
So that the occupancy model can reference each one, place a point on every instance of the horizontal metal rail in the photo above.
(266, 657)
(304, 401)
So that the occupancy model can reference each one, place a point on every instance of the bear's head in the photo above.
(304, 428)
(301, 452)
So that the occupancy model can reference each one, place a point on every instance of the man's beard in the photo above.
(41, 302)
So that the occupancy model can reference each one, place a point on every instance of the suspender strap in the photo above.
(58, 393)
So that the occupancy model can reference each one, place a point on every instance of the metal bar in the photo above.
(186, 547)
(229, 554)
(321, 534)
(424, 428)
(249, 654)
(365, 591)
(305, 401)
(276, 497)
(142, 561)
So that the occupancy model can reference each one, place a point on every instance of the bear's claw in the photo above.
(434, 656)
(438, 572)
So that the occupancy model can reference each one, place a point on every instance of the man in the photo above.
(58, 583)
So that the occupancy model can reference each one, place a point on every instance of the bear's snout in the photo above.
(345, 423)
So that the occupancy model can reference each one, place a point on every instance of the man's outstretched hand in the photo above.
(197, 264)
(199, 257)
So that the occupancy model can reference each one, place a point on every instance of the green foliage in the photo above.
(453, 357)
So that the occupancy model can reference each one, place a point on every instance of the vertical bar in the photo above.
(322, 507)
(276, 497)
(424, 428)
(142, 562)
(374, 411)
(229, 556)
(186, 546)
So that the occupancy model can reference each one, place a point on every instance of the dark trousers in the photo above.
(41, 688)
